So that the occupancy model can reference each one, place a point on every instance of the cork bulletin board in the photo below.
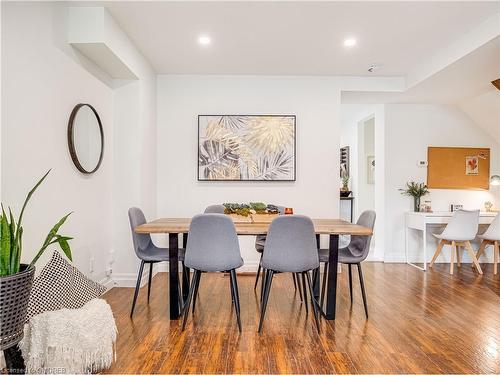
(458, 168)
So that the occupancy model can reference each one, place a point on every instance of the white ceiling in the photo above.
(467, 78)
(289, 38)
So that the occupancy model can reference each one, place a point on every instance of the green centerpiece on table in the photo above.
(256, 212)
(416, 190)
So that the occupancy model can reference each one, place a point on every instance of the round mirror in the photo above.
(85, 138)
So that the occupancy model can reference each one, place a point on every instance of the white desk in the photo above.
(420, 220)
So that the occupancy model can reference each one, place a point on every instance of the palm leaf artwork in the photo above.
(246, 148)
(269, 135)
(233, 123)
(275, 167)
(214, 158)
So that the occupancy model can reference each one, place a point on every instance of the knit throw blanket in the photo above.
(70, 341)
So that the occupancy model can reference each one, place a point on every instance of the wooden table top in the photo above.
(321, 226)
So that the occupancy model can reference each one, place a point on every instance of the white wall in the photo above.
(314, 100)
(366, 148)
(351, 116)
(41, 83)
(410, 129)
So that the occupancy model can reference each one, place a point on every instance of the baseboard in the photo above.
(108, 283)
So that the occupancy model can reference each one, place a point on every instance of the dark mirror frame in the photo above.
(71, 144)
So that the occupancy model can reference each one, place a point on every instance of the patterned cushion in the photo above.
(60, 285)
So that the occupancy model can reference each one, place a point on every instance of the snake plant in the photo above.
(11, 236)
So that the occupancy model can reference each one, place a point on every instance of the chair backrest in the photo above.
(141, 241)
(291, 245)
(215, 209)
(493, 230)
(212, 244)
(463, 225)
(360, 245)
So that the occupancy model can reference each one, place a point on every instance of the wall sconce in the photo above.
(495, 180)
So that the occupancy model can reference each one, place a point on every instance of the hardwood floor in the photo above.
(419, 323)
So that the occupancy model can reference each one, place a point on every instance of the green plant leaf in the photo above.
(55, 229)
(48, 240)
(4, 246)
(15, 252)
(63, 243)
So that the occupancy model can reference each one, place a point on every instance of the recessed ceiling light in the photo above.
(204, 40)
(351, 42)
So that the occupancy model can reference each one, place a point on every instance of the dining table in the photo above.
(173, 227)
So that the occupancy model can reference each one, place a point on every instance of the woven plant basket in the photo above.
(14, 296)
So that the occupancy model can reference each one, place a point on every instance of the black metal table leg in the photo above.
(316, 286)
(185, 272)
(331, 293)
(173, 269)
(14, 360)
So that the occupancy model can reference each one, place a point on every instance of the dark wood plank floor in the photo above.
(419, 323)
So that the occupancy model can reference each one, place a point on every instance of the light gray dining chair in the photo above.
(491, 238)
(354, 253)
(260, 241)
(212, 246)
(290, 247)
(146, 251)
(215, 209)
(461, 229)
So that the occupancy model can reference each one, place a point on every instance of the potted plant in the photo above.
(16, 278)
(344, 191)
(416, 190)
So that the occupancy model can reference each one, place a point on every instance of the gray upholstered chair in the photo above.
(215, 209)
(260, 241)
(290, 247)
(146, 251)
(354, 253)
(212, 246)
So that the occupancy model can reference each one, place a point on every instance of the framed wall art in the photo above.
(246, 148)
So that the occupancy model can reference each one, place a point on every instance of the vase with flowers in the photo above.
(416, 190)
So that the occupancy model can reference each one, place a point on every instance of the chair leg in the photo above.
(436, 254)
(362, 283)
(236, 297)
(452, 258)
(458, 256)
(137, 287)
(294, 283)
(263, 284)
(313, 301)
(323, 284)
(267, 289)
(482, 247)
(298, 284)
(150, 278)
(350, 281)
(190, 297)
(304, 292)
(258, 273)
(473, 257)
(496, 255)
(196, 287)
